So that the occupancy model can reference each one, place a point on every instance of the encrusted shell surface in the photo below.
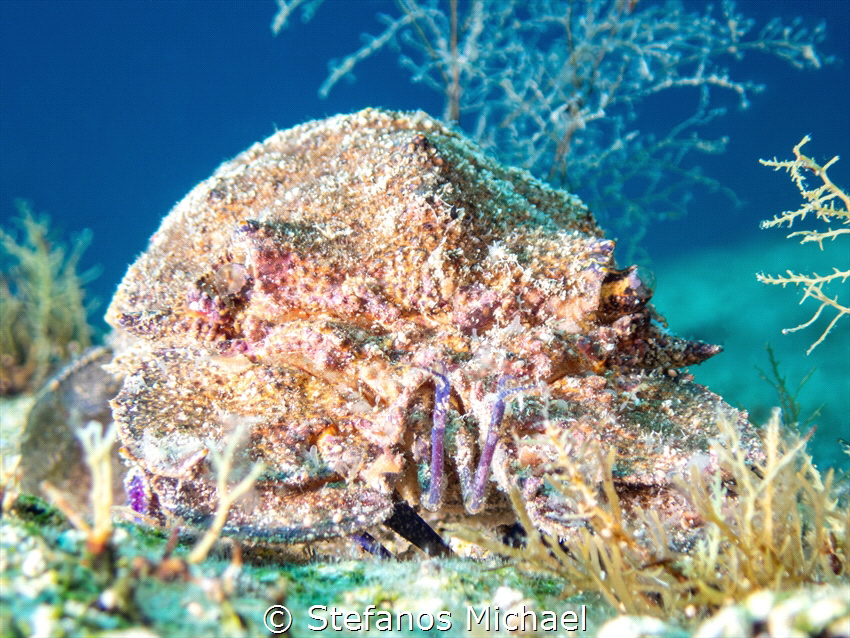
(304, 291)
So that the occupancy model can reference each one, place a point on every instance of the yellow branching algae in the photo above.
(830, 205)
(775, 525)
(43, 317)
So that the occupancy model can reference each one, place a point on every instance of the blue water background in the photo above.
(110, 112)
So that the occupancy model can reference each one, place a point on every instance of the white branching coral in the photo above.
(830, 205)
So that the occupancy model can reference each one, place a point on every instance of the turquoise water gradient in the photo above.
(713, 295)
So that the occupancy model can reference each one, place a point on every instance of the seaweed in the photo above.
(830, 205)
(789, 405)
(776, 526)
(227, 496)
(43, 313)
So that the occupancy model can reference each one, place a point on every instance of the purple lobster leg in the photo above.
(434, 498)
(482, 473)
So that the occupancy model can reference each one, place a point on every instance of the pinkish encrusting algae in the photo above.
(361, 295)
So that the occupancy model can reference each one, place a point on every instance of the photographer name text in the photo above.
(483, 618)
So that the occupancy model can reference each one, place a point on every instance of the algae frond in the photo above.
(830, 205)
(777, 526)
(43, 312)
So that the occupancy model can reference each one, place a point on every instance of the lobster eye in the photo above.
(625, 292)
(229, 279)
(642, 281)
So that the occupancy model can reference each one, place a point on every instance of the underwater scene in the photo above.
(547, 299)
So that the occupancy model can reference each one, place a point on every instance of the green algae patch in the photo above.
(49, 586)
